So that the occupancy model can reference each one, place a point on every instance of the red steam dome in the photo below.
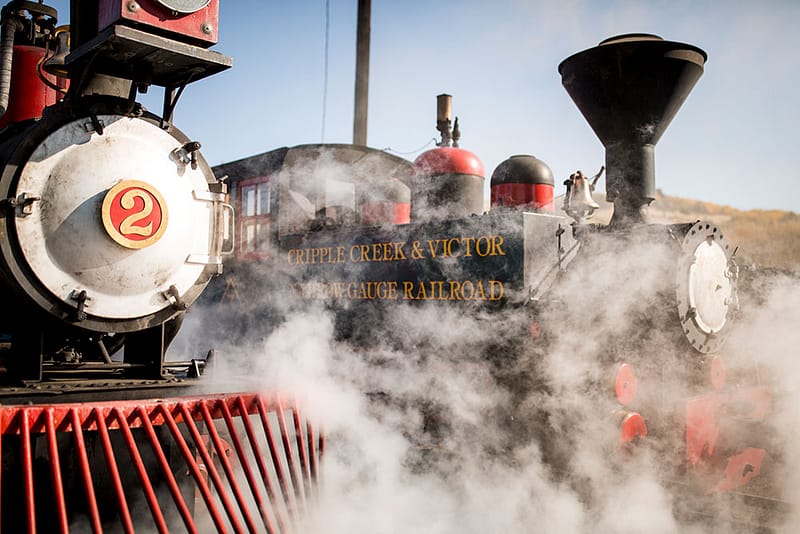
(448, 160)
(447, 182)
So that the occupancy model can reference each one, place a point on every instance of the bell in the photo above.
(578, 202)
(55, 65)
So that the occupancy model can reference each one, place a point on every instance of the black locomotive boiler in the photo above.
(362, 232)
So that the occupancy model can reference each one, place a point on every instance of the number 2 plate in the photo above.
(134, 214)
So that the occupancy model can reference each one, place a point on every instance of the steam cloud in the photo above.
(428, 434)
(452, 419)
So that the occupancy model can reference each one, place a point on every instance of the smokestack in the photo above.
(629, 88)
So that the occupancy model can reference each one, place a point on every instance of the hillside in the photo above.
(766, 238)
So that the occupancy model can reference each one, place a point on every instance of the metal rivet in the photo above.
(206, 28)
(132, 6)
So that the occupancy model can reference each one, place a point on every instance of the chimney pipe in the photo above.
(362, 73)
(444, 112)
(629, 88)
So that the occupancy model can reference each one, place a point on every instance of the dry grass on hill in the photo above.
(766, 238)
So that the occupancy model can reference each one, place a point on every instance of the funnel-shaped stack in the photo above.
(629, 88)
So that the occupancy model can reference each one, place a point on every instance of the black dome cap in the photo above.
(522, 169)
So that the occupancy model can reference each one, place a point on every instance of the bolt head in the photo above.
(132, 6)
(206, 28)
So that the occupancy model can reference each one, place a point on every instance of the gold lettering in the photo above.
(469, 241)
(421, 293)
(314, 256)
(399, 254)
(487, 248)
(455, 290)
(338, 289)
(450, 242)
(471, 290)
(433, 246)
(483, 290)
(408, 287)
(352, 290)
(481, 293)
(500, 290)
(447, 247)
(439, 284)
(416, 251)
(497, 240)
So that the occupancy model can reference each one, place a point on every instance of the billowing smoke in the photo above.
(458, 417)
(768, 338)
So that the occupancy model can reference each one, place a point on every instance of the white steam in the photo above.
(770, 335)
(444, 419)
(430, 431)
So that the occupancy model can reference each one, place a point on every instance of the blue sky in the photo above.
(732, 143)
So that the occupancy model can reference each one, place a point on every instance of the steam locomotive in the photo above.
(112, 225)
(362, 232)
